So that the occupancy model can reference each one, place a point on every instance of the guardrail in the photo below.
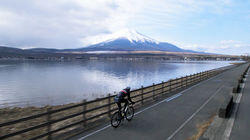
(228, 104)
(54, 122)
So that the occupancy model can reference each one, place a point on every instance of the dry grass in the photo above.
(9, 114)
(237, 63)
(201, 128)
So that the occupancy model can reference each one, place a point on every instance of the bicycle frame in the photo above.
(125, 108)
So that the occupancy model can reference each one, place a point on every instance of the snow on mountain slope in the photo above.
(130, 40)
(131, 35)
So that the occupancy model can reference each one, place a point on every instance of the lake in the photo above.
(39, 83)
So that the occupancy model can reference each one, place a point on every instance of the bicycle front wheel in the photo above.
(129, 114)
(115, 120)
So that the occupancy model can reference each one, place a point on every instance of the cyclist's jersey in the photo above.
(122, 94)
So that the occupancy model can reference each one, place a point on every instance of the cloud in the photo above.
(232, 47)
(225, 44)
(61, 23)
(77, 23)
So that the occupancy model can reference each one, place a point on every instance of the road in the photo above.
(176, 117)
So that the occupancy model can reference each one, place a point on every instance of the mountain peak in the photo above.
(131, 40)
(131, 35)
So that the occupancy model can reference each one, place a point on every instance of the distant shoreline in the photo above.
(135, 55)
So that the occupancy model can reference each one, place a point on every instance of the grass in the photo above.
(201, 129)
(237, 63)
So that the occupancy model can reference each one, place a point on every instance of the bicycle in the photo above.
(128, 113)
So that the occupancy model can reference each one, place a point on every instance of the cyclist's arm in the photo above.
(129, 97)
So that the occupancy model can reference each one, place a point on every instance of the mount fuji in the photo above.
(131, 40)
(124, 40)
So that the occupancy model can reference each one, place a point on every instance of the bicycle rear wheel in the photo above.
(129, 114)
(115, 120)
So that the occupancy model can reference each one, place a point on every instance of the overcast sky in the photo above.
(216, 26)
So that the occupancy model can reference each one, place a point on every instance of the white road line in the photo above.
(168, 99)
(176, 131)
(94, 132)
(230, 122)
(173, 97)
(84, 137)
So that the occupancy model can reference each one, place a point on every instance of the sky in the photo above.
(215, 26)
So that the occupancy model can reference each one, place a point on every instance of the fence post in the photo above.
(181, 82)
(170, 85)
(109, 107)
(142, 95)
(199, 76)
(186, 81)
(175, 85)
(162, 88)
(153, 91)
(191, 79)
(84, 108)
(48, 120)
(196, 78)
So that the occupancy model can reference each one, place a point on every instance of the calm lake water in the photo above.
(24, 83)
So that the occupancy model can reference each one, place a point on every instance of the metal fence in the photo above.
(54, 122)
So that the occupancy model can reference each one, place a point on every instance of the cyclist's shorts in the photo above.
(116, 99)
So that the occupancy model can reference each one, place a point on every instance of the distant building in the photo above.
(93, 58)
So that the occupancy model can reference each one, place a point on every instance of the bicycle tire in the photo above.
(115, 121)
(129, 114)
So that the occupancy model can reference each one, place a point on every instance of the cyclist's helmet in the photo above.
(127, 89)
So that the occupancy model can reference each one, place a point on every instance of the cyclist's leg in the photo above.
(119, 108)
(125, 105)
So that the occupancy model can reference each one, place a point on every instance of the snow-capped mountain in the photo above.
(131, 35)
(130, 40)
(125, 40)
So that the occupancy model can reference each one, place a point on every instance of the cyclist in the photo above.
(121, 98)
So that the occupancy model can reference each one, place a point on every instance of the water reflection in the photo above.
(40, 82)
